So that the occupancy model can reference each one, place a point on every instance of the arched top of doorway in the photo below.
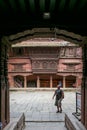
(44, 33)
(20, 75)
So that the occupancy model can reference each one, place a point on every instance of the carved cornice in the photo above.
(46, 32)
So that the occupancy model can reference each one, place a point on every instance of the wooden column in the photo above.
(84, 87)
(38, 82)
(4, 90)
(11, 82)
(51, 83)
(4, 85)
(64, 81)
(25, 82)
(77, 82)
(7, 114)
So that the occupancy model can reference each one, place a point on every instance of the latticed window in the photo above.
(18, 67)
(70, 67)
(36, 64)
(18, 51)
(53, 64)
(45, 65)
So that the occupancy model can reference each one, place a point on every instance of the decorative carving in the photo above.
(53, 64)
(45, 64)
(35, 64)
(78, 52)
(18, 67)
(70, 67)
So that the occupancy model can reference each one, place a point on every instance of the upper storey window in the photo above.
(18, 51)
(75, 52)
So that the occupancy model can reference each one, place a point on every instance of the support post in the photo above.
(64, 81)
(4, 87)
(84, 87)
(38, 82)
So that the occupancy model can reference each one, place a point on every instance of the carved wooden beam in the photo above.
(69, 36)
(37, 32)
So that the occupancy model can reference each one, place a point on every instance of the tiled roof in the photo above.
(43, 42)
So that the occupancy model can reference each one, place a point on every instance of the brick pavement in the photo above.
(38, 107)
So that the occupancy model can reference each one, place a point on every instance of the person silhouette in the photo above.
(59, 96)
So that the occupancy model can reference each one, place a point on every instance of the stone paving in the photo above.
(39, 109)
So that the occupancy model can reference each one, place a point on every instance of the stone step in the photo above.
(16, 123)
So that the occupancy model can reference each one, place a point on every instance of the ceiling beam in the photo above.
(22, 5)
(52, 5)
(42, 5)
(72, 4)
(13, 5)
(62, 5)
(32, 5)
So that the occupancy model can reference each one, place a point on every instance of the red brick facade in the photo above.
(41, 62)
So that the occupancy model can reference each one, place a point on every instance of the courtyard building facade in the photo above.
(42, 62)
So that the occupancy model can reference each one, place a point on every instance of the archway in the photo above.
(18, 81)
(71, 81)
(22, 15)
(62, 34)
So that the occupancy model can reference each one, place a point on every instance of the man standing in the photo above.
(59, 96)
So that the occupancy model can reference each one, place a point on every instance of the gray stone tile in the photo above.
(39, 106)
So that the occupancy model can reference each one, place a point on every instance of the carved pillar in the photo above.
(78, 81)
(25, 82)
(4, 85)
(38, 82)
(11, 82)
(51, 83)
(84, 87)
(4, 90)
(7, 114)
(64, 81)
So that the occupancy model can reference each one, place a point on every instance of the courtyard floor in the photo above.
(39, 109)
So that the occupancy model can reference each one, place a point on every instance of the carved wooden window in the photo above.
(36, 64)
(18, 51)
(53, 64)
(45, 65)
(78, 52)
(70, 51)
(70, 67)
(18, 67)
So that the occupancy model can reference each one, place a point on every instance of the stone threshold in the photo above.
(72, 123)
(43, 121)
(43, 89)
(16, 123)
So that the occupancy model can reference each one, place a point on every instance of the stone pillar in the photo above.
(84, 87)
(64, 81)
(25, 82)
(51, 83)
(38, 82)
